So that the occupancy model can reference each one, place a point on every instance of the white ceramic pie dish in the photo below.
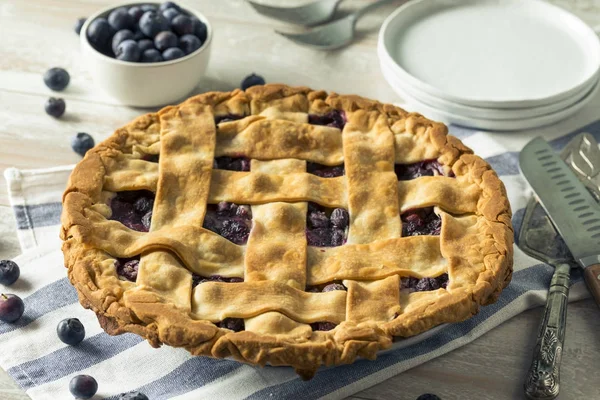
(487, 53)
(146, 84)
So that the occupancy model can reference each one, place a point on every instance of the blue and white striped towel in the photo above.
(43, 366)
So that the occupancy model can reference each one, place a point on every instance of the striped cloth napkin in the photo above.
(32, 354)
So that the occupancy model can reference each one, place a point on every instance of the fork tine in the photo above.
(317, 39)
(307, 14)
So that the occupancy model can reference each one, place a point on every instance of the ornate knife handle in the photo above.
(543, 377)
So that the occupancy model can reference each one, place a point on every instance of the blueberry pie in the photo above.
(285, 226)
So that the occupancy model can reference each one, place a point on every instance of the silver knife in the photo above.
(572, 209)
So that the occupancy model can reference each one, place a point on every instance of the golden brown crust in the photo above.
(474, 248)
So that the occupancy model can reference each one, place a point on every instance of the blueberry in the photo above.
(139, 35)
(428, 396)
(339, 218)
(9, 272)
(169, 4)
(147, 220)
(55, 107)
(145, 44)
(128, 269)
(333, 286)
(57, 78)
(322, 326)
(120, 18)
(200, 29)
(11, 307)
(152, 23)
(252, 80)
(70, 331)
(133, 396)
(148, 7)
(334, 118)
(235, 324)
(121, 36)
(173, 53)
(128, 50)
(170, 13)
(337, 237)
(143, 204)
(182, 25)
(426, 284)
(189, 43)
(136, 13)
(165, 40)
(151, 55)
(235, 231)
(79, 24)
(83, 386)
(100, 33)
(320, 237)
(318, 219)
(81, 143)
(244, 212)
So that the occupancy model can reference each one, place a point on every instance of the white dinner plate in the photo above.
(487, 124)
(491, 113)
(490, 53)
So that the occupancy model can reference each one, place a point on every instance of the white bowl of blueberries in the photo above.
(147, 54)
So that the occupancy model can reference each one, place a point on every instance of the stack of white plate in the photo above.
(489, 64)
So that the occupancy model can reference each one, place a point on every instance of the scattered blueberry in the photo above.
(128, 50)
(70, 331)
(170, 13)
(200, 29)
(252, 80)
(9, 272)
(139, 35)
(168, 4)
(119, 18)
(145, 44)
(189, 43)
(11, 307)
(55, 107)
(100, 34)
(79, 24)
(81, 143)
(136, 13)
(165, 40)
(151, 55)
(133, 396)
(57, 78)
(182, 25)
(151, 23)
(121, 36)
(428, 396)
(173, 53)
(83, 386)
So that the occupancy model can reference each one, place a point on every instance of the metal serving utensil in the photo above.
(314, 13)
(539, 238)
(335, 34)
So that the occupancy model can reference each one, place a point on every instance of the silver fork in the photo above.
(335, 34)
(314, 13)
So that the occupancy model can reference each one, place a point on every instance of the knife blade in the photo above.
(570, 206)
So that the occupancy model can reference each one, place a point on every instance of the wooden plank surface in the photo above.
(37, 35)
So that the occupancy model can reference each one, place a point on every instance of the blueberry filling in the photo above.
(421, 221)
(198, 279)
(235, 324)
(133, 209)
(232, 163)
(230, 220)
(406, 172)
(424, 284)
(326, 227)
(329, 287)
(324, 171)
(128, 268)
(227, 118)
(151, 157)
(334, 118)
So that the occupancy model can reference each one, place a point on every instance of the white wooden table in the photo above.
(37, 34)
